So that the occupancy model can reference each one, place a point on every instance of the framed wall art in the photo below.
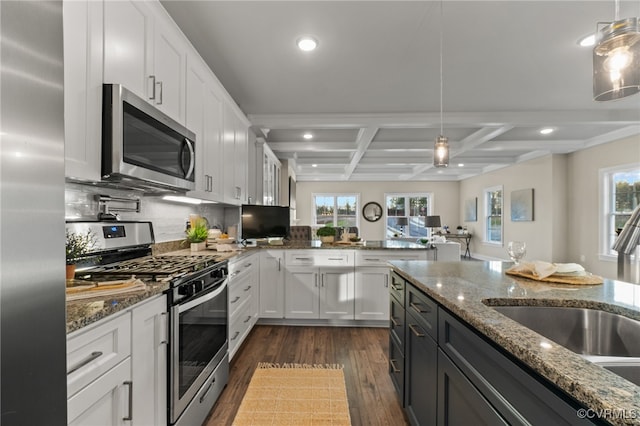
(471, 209)
(522, 205)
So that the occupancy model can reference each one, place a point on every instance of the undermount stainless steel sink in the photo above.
(584, 331)
(607, 339)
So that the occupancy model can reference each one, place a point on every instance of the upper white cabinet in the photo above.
(235, 153)
(204, 118)
(146, 53)
(82, 21)
(267, 175)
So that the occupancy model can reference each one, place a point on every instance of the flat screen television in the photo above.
(264, 221)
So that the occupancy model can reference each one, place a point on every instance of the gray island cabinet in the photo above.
(456, 361)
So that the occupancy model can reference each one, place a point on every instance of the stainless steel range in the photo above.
(198, 342)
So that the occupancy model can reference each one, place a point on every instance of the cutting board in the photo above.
(588, 279)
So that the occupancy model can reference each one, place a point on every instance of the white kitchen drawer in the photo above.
(319, 258)
(92, 351)
(240, 324)
(242, 266)
(239, 292)
(381, 257)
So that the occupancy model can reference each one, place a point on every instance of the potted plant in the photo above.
(197, 235)
(77, 246)
(459, 228)
(326, 234)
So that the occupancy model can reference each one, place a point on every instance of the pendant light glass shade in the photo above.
(616, 60)
(441, 152)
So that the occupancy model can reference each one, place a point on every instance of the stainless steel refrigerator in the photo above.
(32, 295)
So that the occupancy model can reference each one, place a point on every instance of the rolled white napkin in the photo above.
(543, 269)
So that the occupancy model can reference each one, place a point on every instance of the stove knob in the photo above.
(199, 285)
(186, 290)
(219, 273)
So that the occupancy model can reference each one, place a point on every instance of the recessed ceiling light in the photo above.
(307, 136)
(307, 43)
(460, 164)
(314, 165)
(587, 41)
(546, 131)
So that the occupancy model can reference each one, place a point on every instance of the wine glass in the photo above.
(516, 250)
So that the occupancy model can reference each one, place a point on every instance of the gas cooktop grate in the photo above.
(156, 266)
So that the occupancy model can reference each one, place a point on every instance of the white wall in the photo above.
(584, 199)
(547, 178)
(445, 200)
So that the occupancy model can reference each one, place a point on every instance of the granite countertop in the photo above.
(461, 287)
(363, 245)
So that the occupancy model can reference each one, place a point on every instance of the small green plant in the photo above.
(326, 231)
(198, 232)
(78, 245)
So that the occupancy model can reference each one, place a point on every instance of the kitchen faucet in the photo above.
(626, 243)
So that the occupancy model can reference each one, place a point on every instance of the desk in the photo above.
(463, 238)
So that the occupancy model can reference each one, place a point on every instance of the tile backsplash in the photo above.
(168, 218)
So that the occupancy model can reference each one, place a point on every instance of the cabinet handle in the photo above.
(386, 281)
(315, 278)
(130, 416)
(159, 100)
(303, 258)
(164, 335)
(247, 320)
(204, 395)
(248, 288)
(396, 288)
(152, 79)
(417, 307)
(278, 264)
(322, 280)
(393, 321)
(94, 355)
(248, 265)
(236, 299)
(336, 258)
(415, 331)
(235, 336)
(209, 187)
(372, 260)
(393, 366)
(238, 192)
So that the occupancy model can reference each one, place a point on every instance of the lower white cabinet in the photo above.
(243, 299)
(372, 293)
(272, 284)
(117, 368)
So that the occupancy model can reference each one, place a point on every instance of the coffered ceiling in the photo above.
(370, 92)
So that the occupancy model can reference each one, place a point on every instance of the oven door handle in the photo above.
(203, 298)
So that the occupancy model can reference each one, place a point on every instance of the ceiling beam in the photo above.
(365, 136)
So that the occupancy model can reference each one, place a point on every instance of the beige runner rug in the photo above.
(295, 394)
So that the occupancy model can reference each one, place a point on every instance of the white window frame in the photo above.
(427, 195)
(335, 195)
(607, 205)
(487, 211)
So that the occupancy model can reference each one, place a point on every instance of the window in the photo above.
(405, 214)
(336, 209)
(621, 195)
(493, 212)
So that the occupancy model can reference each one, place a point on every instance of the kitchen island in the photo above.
(466, 291)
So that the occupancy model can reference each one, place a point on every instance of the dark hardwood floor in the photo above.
(363, 351)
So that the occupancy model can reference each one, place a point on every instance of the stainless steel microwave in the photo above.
(142, 147)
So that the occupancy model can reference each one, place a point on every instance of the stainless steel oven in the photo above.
(198, 358)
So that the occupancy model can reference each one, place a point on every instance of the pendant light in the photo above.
(441, 146)
(616, 59)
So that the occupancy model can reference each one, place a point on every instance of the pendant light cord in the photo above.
(441, 75)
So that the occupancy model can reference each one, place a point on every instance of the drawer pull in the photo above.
(393, 366)
(248, 319)
(248, 265)
(248, 288)
(386, 281)
(417, 307)
(337, 258)
(235, 336)
(236, 299)
(396, 288)
(371, 259)
(204, 394)
(130, 416)
(94, 355)
(393, 321)
(303, 258)
(415, 330)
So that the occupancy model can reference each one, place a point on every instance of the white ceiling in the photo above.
(370, 92)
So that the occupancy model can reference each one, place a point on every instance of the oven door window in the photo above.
(202, 334)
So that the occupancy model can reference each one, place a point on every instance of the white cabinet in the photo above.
(149, 335)
(267, 175)
(272, 284)
(372, 293)
(243, 299)
(82, 22)
(104, 401)
(235, 156)
(117, 368)
(319, 284)
(204, 118)
(146, 53)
